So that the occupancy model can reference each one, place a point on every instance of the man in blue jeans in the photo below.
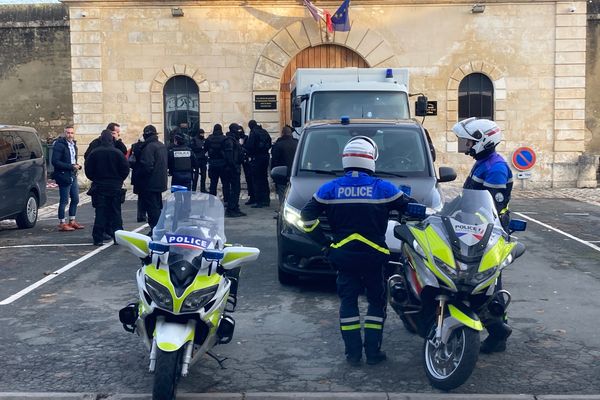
(64, 160)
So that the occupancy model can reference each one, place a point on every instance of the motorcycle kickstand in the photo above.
(220, 361)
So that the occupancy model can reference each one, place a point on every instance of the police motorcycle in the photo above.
(184, 283)
(443, 284)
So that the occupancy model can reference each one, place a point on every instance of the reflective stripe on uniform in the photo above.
(350, 323)
(310, 226)
(494, 186)
(360, 238)
(372, 322)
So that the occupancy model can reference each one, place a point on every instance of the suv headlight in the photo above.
(291, 216)
(159, 294)
(198, 298)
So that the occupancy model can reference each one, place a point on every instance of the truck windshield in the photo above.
(359, 104)
(402, 151)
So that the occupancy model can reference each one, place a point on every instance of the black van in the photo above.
(22, 175)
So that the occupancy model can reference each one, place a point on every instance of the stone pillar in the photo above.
(588, 168)
(569, 98)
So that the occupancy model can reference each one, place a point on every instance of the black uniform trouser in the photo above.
(249, 180)
(215, 173)
(200, 172)
(152, 203)
(231, 189)
(351, 281)
(107, 214)
(259, 170)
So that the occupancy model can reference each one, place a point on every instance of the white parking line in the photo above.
(58, 272)
(559, 231)
(24, 246)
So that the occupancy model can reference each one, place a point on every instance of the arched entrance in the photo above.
(322, 56)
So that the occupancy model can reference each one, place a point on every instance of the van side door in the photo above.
(7, 206)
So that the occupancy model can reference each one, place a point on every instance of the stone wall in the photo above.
(35, 67)
(592, 111)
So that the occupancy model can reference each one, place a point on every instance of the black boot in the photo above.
(353, 343)
(373, 339)
(376, 358)
(496, 340)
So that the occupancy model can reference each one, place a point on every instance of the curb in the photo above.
(294, 396)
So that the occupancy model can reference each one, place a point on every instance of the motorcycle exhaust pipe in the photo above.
(397, 289)
(225, 329)
(498, 303)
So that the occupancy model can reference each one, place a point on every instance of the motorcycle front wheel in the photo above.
(166, 374)
(449, 365)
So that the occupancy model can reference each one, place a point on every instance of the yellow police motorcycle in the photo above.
(444, 283)
(184, 283)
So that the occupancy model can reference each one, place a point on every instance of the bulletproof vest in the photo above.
(182, 159)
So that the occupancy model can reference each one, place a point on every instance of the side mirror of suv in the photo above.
(447, 174)
(280, 174)
(421, 106)
(297, 117)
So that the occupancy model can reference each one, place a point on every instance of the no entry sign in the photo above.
(523, 158)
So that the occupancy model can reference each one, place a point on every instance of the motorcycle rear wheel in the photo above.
(166, 374)
(450, 365)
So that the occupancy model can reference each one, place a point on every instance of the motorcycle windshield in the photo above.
(191, 222)
(469, 214)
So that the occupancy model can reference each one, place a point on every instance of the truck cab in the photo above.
(357, 93)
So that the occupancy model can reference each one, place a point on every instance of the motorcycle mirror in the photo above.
(158, 247)
(517, 225)
(212, 255)
(416, 210)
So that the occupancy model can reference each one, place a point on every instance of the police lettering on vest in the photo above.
(355, 192)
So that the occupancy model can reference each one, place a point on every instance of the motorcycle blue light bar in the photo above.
(178, 188)
(345, 120)
(416, 210)
(389, 73)
(158, 247)
(212, 255)
(517, 225)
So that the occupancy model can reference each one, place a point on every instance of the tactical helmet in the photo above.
(485, 133)
(360, 152)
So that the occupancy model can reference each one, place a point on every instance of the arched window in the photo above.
(181, 102)
(476, 97)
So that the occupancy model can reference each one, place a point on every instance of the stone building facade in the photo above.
(534, 52)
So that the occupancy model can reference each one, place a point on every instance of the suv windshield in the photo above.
(359, 104)
(402, 151)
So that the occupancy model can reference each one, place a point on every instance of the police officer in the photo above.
(491, 173)
(231, 186)
(357, 207)
(258, 146)
(197, 146)
(181, 162)
(219, 150)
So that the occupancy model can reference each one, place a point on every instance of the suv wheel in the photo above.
(285, 278)
(28, 217)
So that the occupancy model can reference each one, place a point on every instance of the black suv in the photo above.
(404, 158)
(22, 175)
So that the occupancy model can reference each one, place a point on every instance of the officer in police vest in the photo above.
(357, 207)
(492, 173)
(181, 162)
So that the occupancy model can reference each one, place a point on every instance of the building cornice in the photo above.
(287, 3)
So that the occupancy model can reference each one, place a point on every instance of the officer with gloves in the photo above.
(181, 162)
(357, 207)
(491, 173)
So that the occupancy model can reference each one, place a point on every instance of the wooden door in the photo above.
(323, 56)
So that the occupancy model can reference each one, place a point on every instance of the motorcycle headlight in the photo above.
(198, 298)
(446, 269)
(291, 215)
(480, 277)
(159, 294)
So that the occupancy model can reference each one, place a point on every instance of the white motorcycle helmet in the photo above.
(485, 133)
(360, 152)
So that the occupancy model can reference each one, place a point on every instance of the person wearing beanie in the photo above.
(115, 130)
(231, 186)
(134, 156)
(107, 168)
(258, 146)
(197, 146)
(357, 206)
(151, 175)
(282, 154)
(219, 150)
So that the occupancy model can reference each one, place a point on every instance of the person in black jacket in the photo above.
(219, 150)
(64, 161)
(246, 168)
(258, 145)
(197, 146)
(231, 187)
(151, 175)
(181, 162)
(282, 154)
(134, 156)
(107, 168)
(115, 130)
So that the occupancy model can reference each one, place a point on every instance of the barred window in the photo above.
(476, 97)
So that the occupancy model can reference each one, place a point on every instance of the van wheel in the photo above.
(28, 217)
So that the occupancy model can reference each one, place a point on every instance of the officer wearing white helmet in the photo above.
(357, 206)
(491, 173)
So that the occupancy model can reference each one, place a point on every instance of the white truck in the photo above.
(358, 93)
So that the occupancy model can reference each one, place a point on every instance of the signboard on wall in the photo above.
(265, 102)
